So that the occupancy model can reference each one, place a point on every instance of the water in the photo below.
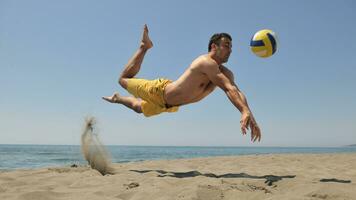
(36, 156)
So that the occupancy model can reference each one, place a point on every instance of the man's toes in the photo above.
(109, 99)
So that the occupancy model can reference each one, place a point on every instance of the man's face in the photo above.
(223, 50)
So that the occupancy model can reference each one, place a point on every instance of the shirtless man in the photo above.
(153, 97)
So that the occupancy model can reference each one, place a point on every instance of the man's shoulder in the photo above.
(205, 60)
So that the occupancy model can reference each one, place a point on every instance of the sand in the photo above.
(278, 176)
(93, 150)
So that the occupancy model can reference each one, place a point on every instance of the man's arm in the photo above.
(253, 124)
(224, 79)
(216, 76)
(231, 78)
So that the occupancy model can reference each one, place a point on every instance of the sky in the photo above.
(58, 58)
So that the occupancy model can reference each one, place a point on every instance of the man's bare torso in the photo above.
(193, 85)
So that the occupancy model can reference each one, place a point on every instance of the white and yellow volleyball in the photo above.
(264, 43)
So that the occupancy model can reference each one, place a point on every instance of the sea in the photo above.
(14, 157)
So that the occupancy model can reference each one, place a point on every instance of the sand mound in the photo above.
(93, 150)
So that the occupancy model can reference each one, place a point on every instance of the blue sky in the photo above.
(57, 58)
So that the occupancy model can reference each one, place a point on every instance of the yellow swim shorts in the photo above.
(151, 92)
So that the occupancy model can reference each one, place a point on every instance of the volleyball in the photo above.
(264, 43)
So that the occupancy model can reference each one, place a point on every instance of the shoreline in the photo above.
(181, 159)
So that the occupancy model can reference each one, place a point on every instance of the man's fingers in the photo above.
(257, 133)
(243, 127)
(243, 130)
(253, 133)
(248, 123)
(256, 137)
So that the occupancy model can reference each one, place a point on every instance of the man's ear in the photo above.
(213, 46)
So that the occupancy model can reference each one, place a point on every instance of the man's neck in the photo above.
(213, 56)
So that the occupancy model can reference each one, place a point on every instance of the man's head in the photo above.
(221, 44)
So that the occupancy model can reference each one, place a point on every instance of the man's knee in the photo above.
(123, 82)
(137, 107)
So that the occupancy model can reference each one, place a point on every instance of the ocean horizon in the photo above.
(30, 156)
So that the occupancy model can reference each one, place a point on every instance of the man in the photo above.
(153, 97)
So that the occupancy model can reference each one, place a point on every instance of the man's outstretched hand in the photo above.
(249, 122)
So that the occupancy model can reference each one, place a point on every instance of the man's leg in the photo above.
(130, 102)
(131, 69)
(134, 64)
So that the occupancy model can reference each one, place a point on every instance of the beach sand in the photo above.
(272, 176)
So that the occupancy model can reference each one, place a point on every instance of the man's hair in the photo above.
(215, 39)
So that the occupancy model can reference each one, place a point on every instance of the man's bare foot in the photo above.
(146, 43)
(115, 98)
